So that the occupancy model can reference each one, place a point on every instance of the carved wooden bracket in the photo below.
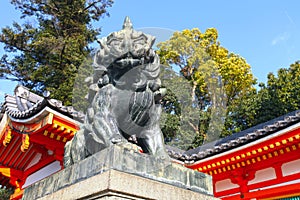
(25, 142)
(7, 137)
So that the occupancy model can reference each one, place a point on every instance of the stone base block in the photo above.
(121, 172)
(113, 185)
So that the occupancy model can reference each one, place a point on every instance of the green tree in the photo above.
(217, 79)
(279, 96)
(5, 193)
(243, 113)
(177, 99)
(81, 84)
(46, 51)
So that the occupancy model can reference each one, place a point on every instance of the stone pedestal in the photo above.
(122, 172)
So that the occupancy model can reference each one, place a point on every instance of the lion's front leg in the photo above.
(151, 141)
(75, 149)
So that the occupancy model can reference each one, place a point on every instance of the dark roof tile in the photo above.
(25, 104)
(239, 139)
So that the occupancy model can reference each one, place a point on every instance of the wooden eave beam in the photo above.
(277, 192)
(265, 162)
(252, 151)
(246, 155)
(269, 194)
(18, 163)
(32, 128)
(11, 173)
(275, 163)
(6, 150)
(42, 163)
(47, 142)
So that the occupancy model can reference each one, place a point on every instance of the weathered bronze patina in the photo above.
(125, 92)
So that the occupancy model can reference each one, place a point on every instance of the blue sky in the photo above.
(265, 33)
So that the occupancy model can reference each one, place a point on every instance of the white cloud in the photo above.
(281, 38)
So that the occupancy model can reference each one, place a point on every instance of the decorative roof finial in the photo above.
(127, 23)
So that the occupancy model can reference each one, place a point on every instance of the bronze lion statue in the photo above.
(125, 95)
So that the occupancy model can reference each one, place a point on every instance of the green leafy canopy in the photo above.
(46, 51)
(217, 80)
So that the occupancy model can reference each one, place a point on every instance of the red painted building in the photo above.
(33, 133)
(262, 162)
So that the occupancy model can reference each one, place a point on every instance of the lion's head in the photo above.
(128, 59)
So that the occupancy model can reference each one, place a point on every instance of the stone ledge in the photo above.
(113, 184)
(103, 174)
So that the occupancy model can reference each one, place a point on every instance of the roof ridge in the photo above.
(24, 104)
(237, 139)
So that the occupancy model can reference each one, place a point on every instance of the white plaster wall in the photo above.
(34, 161)
(263, 175)
(290, 168)
(225, 185)
(42, 173)
(277, 185)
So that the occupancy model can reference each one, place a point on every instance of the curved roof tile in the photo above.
(237, 139)
(25, 104)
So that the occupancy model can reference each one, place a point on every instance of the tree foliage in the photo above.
(284, 89)
(177, 107)
(45, 52)
(5, 193)
(217, 78)
(278, 97)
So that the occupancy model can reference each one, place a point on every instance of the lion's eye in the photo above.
(138, 46)
(139, 43)
(115, 43)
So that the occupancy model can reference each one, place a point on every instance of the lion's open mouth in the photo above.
(128, 60)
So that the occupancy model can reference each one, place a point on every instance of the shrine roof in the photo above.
(33, 133)
(25, 104)
(238, 139)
